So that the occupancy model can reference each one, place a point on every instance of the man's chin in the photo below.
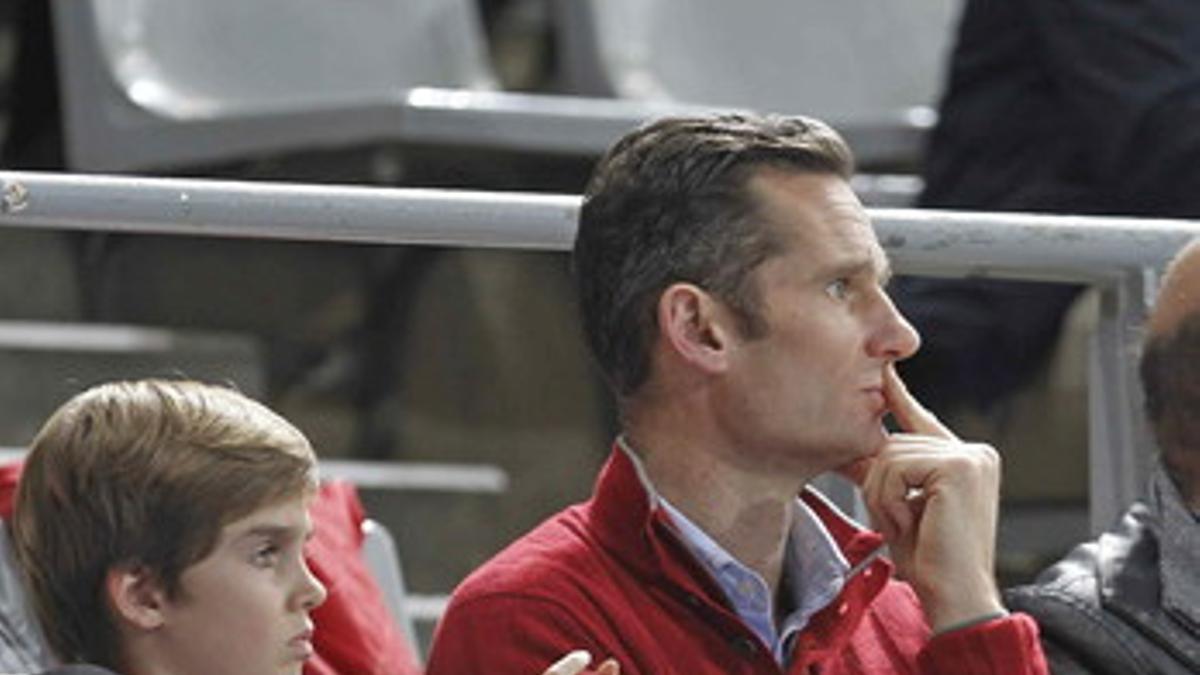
(856, 469)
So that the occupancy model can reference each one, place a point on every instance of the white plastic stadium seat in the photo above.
(159, 84)
(859, 64)
(383, 560)
(155, 83)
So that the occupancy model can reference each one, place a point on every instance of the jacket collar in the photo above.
(1179, 548)
(631, 524)
(1147, 569)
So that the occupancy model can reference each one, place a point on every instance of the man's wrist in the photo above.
(947, 610)
(968, 623)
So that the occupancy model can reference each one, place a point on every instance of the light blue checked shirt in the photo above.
(814, 568)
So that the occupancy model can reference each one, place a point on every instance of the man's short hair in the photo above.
(145, 474)
(1170, 371)
(670, 202)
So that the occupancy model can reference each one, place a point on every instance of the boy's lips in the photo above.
(301, 644)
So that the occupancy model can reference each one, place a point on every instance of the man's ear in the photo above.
(695, 325)
(137, 596)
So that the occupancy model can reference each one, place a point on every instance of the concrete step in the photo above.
(42, 364)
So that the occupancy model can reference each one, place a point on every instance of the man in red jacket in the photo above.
(732, 290)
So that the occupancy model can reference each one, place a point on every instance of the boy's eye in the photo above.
(266, 555)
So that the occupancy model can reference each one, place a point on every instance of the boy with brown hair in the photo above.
(161, 528)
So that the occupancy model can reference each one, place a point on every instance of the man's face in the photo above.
(808, 395)
(244, 608)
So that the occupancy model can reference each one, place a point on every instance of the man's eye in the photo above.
(838, 289)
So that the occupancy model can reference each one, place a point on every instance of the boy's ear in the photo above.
(136, 595)
(696, 326)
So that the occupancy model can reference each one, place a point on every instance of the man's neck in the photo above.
(750, 516)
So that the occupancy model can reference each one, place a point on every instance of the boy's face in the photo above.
(244, 608)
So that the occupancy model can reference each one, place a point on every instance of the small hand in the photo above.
(577, 661)
(935, 499)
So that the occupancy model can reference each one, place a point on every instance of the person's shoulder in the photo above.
(1078, 572)
(1077, 633)
(1069, 586)
(557, 555)
(532, 601)
(1075, 580)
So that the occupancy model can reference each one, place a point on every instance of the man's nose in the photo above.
(895, 338)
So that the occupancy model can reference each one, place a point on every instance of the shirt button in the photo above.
(842, 609)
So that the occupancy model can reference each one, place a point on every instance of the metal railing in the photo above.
(1121, 257)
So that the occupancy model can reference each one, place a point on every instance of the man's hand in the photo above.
(934, 499)
(575, 663)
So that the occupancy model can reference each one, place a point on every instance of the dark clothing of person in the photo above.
(1127, 603)
(34, 139)
(1080, 106)
(1063, 106)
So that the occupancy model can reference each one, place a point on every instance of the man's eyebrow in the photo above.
(876, 264)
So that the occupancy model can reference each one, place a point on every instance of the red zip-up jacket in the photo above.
(611, 576)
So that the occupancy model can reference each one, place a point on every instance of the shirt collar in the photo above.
(815, 570)
(1179, 546)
